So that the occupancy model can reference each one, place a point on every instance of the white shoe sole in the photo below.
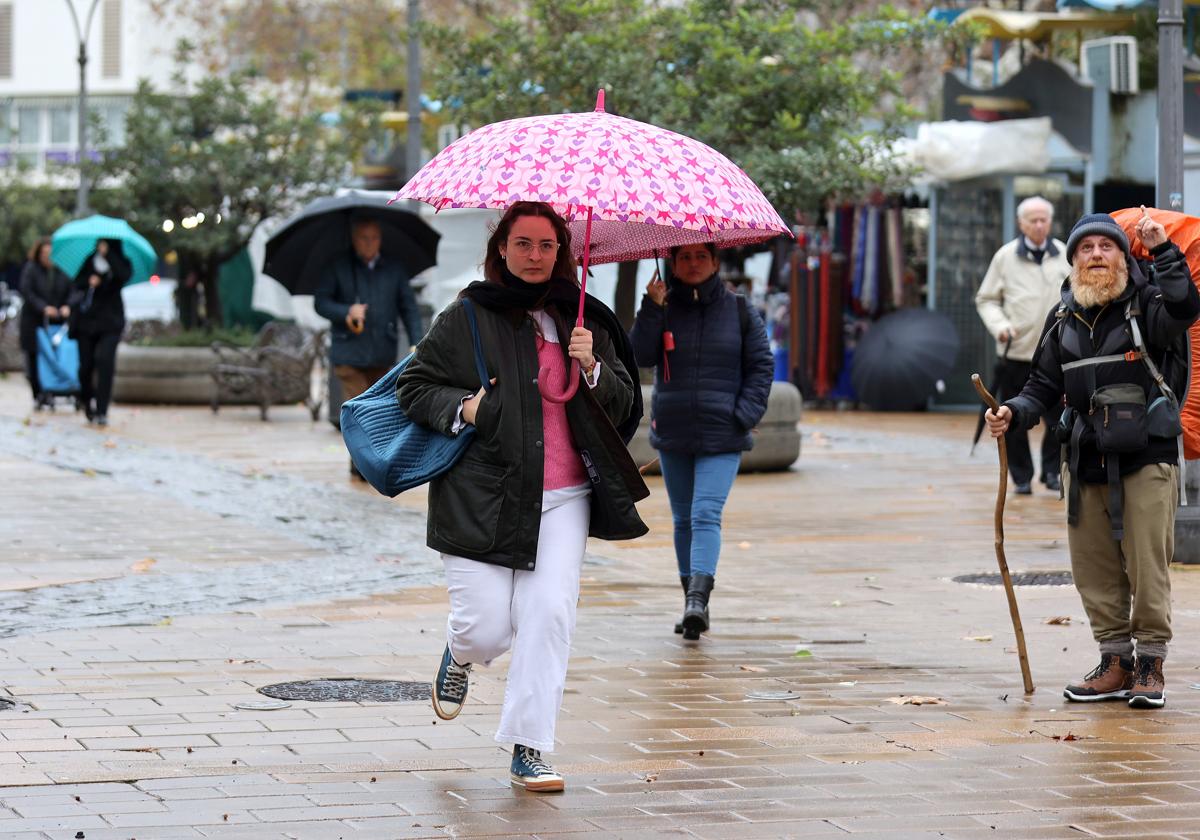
(1123, 694)
(1148, 702)
(552, 785)
(442, 713)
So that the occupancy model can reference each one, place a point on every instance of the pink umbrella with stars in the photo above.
(631, 189)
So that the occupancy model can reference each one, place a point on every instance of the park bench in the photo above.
(276, 369)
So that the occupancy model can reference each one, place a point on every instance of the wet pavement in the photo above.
(904, 717)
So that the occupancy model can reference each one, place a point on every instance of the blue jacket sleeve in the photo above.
(646, 334)
(410, 313)
(758, 369)
(325, 300)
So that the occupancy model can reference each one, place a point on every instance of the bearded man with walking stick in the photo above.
(1104, 349)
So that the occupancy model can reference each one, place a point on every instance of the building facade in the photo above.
(39, 74)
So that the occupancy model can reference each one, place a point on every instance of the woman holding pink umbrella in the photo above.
(512, 517)
(712, 380)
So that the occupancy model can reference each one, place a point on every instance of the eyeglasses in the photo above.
(524, 247)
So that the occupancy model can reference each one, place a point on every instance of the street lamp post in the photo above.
(412, 91)
(1170, 105)
(81, 34)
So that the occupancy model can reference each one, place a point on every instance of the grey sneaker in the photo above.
(450, 687)
(530, 771)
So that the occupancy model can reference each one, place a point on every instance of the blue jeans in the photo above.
(697, 486)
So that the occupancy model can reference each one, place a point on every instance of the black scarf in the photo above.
(513, 297)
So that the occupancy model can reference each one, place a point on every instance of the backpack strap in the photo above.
(1131, 317)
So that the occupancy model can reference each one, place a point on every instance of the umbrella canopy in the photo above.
(645, 189)
(74, 242)
(901, 358)
(299, 251)
(633, 190)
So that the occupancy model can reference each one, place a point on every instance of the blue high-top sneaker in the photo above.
(530, 771)
(450, 687)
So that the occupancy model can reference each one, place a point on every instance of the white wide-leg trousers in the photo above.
(494, 609)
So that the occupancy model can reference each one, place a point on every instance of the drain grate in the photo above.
(327, 690)
(1019, 579)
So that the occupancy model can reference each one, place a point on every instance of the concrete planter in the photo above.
(776, 441)
(172, 375)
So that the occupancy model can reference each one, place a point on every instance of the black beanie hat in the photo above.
(1093, 224)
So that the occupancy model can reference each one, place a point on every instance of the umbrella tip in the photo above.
(600, 100)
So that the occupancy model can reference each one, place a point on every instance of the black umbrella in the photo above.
(902, 357)
(300, 250)
(995, 391)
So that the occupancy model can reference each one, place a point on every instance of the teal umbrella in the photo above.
(75, 241)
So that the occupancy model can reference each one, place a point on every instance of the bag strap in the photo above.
(477, 344)
(1159, 380)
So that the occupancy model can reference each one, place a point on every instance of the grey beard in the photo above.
(1099, 291)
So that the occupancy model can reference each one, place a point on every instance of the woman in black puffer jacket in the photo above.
(711, 384)
(97, 324)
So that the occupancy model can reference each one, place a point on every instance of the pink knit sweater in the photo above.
(562, 466)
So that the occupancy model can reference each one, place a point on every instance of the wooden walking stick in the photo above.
(1003, 563)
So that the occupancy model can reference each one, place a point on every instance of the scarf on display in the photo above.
(513, 298)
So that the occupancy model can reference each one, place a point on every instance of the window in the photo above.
(6, 134)
(6, 40)
(29, 125)
(112, 117)
(61, 118)
(110, 35)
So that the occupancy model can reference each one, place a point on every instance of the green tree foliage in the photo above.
(807, 105)
(29, 211)
(211, 162)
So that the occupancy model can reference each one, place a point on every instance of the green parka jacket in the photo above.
(488, 507)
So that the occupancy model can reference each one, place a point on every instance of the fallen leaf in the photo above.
(89, 472)
(166, 622)
(754, 668)
(1059, 619)
(916, 700)
(977, 638)
(652, 777)
(110, 444)
(835, 604)
(802, 653)
(744, 545)
(143, 565)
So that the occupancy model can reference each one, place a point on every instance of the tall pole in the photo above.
(1169, 194)
(412, 93)
(81, 34)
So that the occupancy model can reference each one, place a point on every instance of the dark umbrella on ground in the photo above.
(300, 250)
(902, 357)
(994, 390)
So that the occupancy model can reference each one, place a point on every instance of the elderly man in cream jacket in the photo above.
(1022, 284)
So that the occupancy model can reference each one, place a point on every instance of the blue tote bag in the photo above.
(391, 451)
(57, 360)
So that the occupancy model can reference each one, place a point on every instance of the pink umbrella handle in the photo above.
(573, 373)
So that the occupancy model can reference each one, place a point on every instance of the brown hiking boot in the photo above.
(1149, 688)
(1110, 680)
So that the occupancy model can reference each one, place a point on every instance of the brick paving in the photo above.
(834, 584)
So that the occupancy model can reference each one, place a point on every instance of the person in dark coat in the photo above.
(512, 517)
(363, 294)
(713, 371)
(44, 293)
(1098, 349)
(97, 323)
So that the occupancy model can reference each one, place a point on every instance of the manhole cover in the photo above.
(1019, 579)
(374, 691)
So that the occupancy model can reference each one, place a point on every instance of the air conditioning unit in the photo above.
(1112, 62)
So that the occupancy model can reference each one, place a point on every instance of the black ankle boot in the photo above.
(683, 581)
(695, 613)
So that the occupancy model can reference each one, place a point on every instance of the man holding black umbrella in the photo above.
(364, 294)
(1021, 286)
